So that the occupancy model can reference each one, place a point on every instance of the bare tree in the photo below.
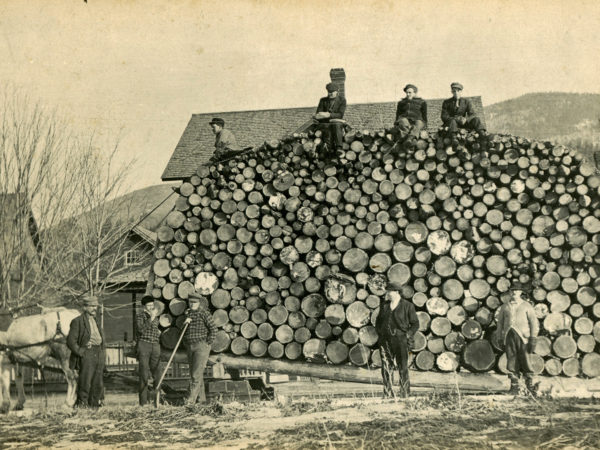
(60, 223)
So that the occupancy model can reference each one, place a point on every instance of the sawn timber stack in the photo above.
(293, 251)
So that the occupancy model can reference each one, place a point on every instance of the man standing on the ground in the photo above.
(86, 342)
(518, 327)
(458, 112)
(410, 112)
(225, 141)
(396, 326)
(329, 115)
(148, 347)
(198, 338)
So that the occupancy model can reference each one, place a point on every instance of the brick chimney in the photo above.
(338, 76)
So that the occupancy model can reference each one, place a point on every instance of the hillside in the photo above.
(136, 204)
(545, 115)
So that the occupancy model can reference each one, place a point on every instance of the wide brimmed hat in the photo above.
(90, 300)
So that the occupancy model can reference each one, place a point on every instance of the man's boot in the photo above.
(404, 388)
(514, 385)
(531, 386)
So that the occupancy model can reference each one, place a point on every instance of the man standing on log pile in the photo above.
(148, 347)
(198, 338)
(458, 112)
(518, 327)
(225, 141)
(86, 343)
(329, 116)
(396, 326)
(411, 112)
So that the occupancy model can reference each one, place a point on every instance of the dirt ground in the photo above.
(297, 421)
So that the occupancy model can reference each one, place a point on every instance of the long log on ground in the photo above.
(464, 381)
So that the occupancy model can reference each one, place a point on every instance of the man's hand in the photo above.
(188, 320)
(462, 120)
(88, 345)
(322, 115)
(411, 342)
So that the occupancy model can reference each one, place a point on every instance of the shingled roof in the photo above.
(252, 128)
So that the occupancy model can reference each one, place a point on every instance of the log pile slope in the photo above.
(293, 251)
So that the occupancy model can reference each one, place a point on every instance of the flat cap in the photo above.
(217, 121)
(411, 86)
(147, 299)
(456, 85)
(331, 87)
(394, 286)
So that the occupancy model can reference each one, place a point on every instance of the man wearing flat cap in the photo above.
(396, 326)
(458, 112)
(411, 114)
(86, 342)
(148, 347)
(198, 338)
(225, 141)
(329, 118)
(517, 329)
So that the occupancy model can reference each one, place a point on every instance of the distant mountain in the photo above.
(545, 115)
(569, 119)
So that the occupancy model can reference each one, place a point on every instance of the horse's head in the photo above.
(6, 318)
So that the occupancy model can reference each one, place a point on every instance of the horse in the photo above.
(35, 340)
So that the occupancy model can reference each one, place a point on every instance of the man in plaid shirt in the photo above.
(148, 347)
(198, 338)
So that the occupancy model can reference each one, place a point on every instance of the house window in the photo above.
(132, 257)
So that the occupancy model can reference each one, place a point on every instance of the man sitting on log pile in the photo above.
(396, 326)
(410, 112)
(225, 142)
(518, 327)
(198, 338)
(458, 112)
(329, 117)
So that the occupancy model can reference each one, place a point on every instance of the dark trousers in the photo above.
(90, 385)
(197, 354)
(394, 353)
(403, 128)
(333, 134)
(474, 123)
(517, 362)
(149, 363)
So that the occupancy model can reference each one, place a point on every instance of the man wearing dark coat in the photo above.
(396, 326)
(458, 112)
(329, 116)
(410, 112)
(86, 342)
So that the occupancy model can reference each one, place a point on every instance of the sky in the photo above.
(140, 69)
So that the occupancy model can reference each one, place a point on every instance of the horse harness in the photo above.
(11, 349)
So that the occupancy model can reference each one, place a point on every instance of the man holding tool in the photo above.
(148, 347)
(198, 337)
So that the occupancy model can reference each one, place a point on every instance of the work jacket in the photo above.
(225, 140)
(451, 111)
(403, 319)
(519, 316)
(413, 109)
(336, 107)
(79, 336)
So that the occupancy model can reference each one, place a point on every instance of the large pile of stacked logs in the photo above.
(293, 251)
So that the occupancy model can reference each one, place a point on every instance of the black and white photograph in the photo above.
(248, 224)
